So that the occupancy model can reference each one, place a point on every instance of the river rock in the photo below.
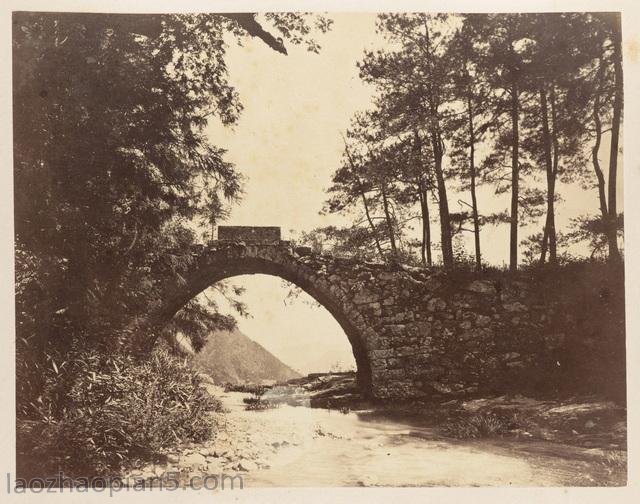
(193, 460)
(589, 424)
(148, 471)
(247, 465)
(173, 458)
(214, 467)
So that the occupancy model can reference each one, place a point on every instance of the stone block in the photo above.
(436, 304)
(303, 251)
(482, 287)
(406, 350)
(377, 354)
(365, 296)
(515, 307)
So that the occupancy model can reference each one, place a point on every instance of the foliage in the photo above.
(200, 316)
(257, 402)
(110, 136)
(501, 100)
(118, 410)
(114, 180)
(594, 231)
(354, 241)
(615, 461)
(114, 192)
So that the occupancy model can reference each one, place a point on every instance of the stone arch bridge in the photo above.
(415, 332)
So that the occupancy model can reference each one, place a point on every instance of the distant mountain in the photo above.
(230, 356)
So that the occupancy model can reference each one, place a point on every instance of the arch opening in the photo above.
(288, 323)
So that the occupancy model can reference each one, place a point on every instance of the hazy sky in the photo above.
(297, 331)
(288, 144)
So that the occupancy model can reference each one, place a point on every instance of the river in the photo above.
(301, 446)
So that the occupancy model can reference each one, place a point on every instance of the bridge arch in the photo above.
(415, 332)
(226, 259)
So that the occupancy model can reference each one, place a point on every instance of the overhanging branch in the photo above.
(247, 21)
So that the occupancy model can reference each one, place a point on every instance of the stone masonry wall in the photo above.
(447, 335)
(425, 333)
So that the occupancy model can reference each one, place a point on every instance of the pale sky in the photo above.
(302, 334)
(288, 143)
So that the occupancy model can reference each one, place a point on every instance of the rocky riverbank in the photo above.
(587, 421)
(242, 444)
(523, 439)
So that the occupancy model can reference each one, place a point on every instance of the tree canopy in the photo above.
(113, 173)
(495, 100)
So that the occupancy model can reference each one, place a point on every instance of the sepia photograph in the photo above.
(318, 249)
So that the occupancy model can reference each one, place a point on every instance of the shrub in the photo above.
(256, 401)
(249, 388)
(118, 411)
(479, 425)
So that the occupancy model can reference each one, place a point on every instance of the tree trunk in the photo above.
(602, 194)
(612, 236)
(549, 227)
(374, 231)
(423, 195)
(425, 249)
(515, 169)
(474, 200)
(389, 221)
(437, 146)
(553, 242)
(443, 204)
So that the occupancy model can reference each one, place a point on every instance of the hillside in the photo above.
(233, 357)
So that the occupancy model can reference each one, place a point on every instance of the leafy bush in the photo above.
(119, 410)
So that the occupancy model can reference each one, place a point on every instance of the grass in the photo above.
(479, 425)
(615, 460)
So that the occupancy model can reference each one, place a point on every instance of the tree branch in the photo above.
(247, 22)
